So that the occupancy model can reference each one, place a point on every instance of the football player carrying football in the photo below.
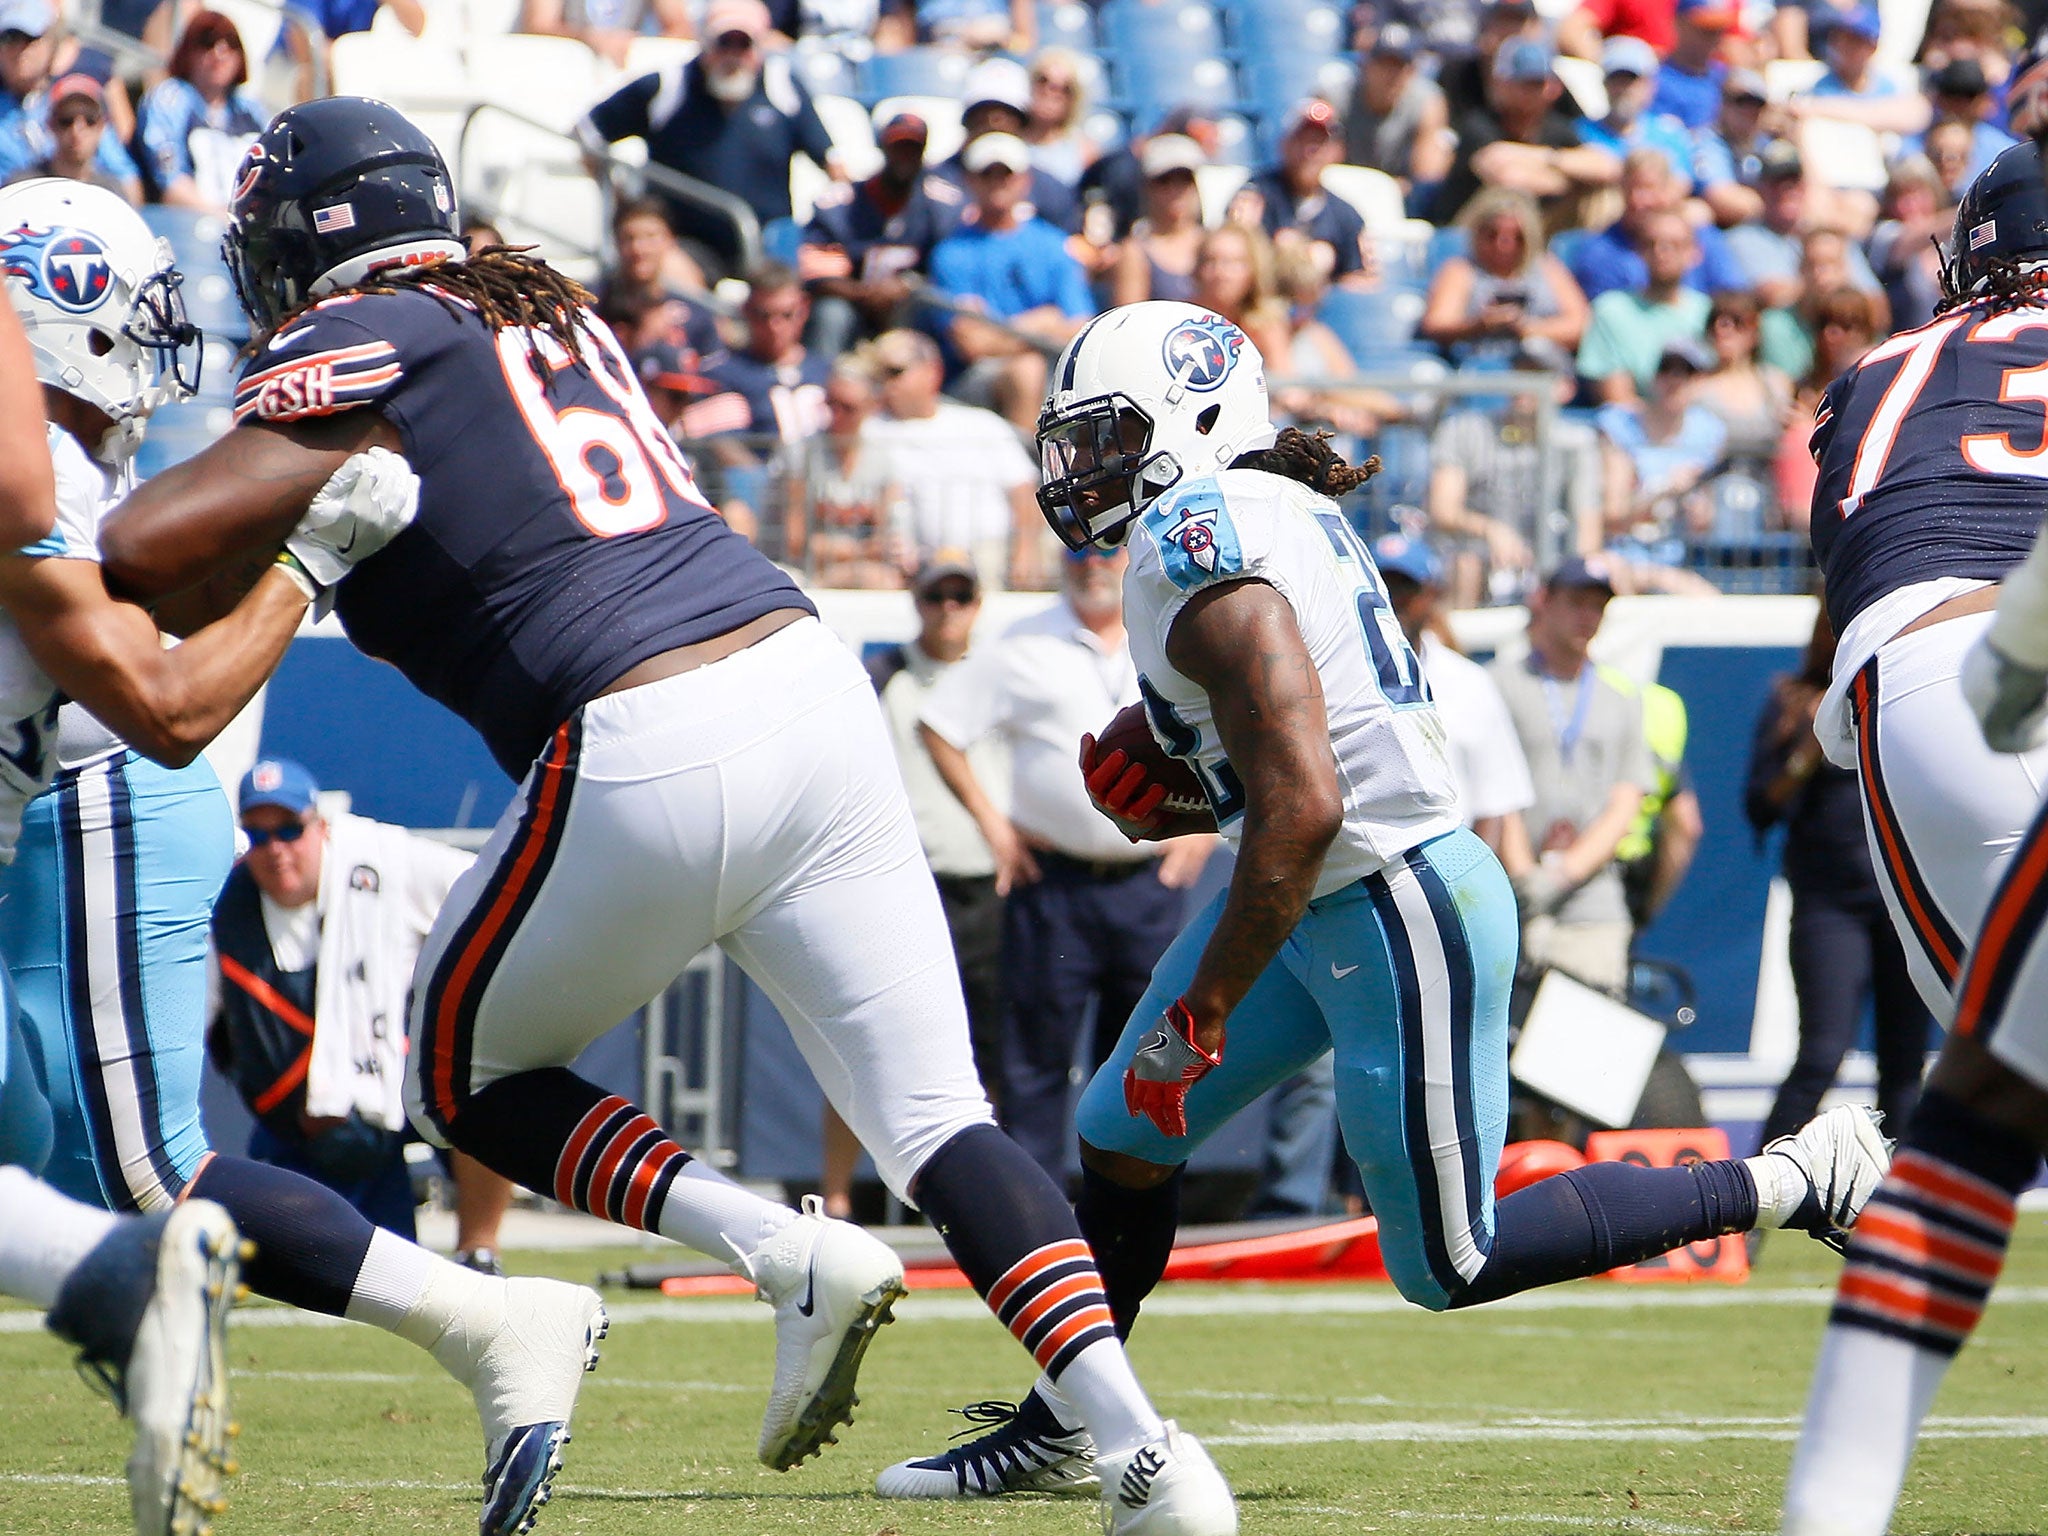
(701, 762)
(1360, 916)
(1930, 491)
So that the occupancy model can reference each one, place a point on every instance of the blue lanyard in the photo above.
(1568, 729)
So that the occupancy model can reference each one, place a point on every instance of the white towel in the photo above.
(380, 887)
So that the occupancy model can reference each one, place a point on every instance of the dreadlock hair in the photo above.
(2006, 284)
(1309, 458)
(501, 283)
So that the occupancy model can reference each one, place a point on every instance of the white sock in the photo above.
(1780, 1189)
(404, 1289)
(706, 1211)
(43, 1235)
(1049, 1393)
(1105, 1395)
(1870, 1394)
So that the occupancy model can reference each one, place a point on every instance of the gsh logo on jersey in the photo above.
(65, 266)
(306, 390)
(1202, 352)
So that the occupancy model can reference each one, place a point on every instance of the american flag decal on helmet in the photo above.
(1983, 234)
(333, 220)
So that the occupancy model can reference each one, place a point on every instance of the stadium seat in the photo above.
(1148, 87)
(553, 80)
(1586, 85)
(1852, 153)
(780, 239)
(1218, 184)
(488, 18)
(1236, 141)
(403, 70)
(1375, 194)
(914, 72)
(823, 71)
(1272, 84)
(941, 115)
(1377, 327)
(531, 183)
(1786, 78)
(1160, 28)
(1275, 29)
(853, 134)
(651, 55)
(1067, 25)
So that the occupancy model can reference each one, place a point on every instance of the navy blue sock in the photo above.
(1131, 1232)
(1605, 1215)
(1015, 1238)
(310, 1242)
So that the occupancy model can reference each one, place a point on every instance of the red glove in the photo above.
(1121, 789)
(1167, 1065)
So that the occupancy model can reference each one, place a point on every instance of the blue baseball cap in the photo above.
(1398, 555)
(280, 782)
(1863, 21)
(1524, 59)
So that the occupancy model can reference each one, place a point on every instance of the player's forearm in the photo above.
(168, 704)
(1288, 830)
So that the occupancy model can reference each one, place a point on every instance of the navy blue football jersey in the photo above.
(748, 395)
(560, 539)
(1933, 455)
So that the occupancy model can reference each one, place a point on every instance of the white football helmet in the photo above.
(1145, 397)
(98, 296)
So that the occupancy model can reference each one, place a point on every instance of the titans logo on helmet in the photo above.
(65, 266)
(1202, 352)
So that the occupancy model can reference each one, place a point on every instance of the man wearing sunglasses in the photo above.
(316, 931)
(78, 122)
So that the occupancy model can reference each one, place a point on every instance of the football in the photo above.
(1186, 807)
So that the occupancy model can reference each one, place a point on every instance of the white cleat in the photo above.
(1169, 1487)
(1026, 1450)
(148, 1308)
(1843, 1157)
(832, 1286)
(522, 1348)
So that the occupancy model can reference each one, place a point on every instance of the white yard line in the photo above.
(1523, 1429)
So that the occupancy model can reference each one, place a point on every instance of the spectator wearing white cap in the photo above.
(1157, 259)
(734, 116)
(77, 118)
(1521, 138)
(1289, 202)
(606, 27)
(1007, 266)
(28, 45)
(1630, 66)
(996, 98)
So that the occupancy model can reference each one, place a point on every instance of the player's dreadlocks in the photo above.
(2005, 285)
(503, 284)
(1309, 458)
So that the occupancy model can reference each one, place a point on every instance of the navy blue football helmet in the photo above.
(2002, 220)
(332, 191)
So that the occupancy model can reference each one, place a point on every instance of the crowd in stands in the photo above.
(1684, 217)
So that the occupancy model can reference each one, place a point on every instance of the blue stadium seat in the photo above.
(913, 72)
(780, 239)
(823, 71)
(1271, 29)
(1149, 86)
(1374, 327)
(1162, 28)
(1067, 24)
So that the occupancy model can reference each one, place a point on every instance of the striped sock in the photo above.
(1921, 1264)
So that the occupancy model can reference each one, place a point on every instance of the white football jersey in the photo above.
(86, 490)
(1392, 763)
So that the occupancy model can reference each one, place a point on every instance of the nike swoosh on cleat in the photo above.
(1339, 972)
(810, 1287)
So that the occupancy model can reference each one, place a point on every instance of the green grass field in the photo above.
(1589, 1408)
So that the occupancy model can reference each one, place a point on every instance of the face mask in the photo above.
(731, 88)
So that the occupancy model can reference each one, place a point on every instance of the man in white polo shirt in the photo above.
(1088, 913)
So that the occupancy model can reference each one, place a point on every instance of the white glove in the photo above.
(364, 505)
(2009, 700)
